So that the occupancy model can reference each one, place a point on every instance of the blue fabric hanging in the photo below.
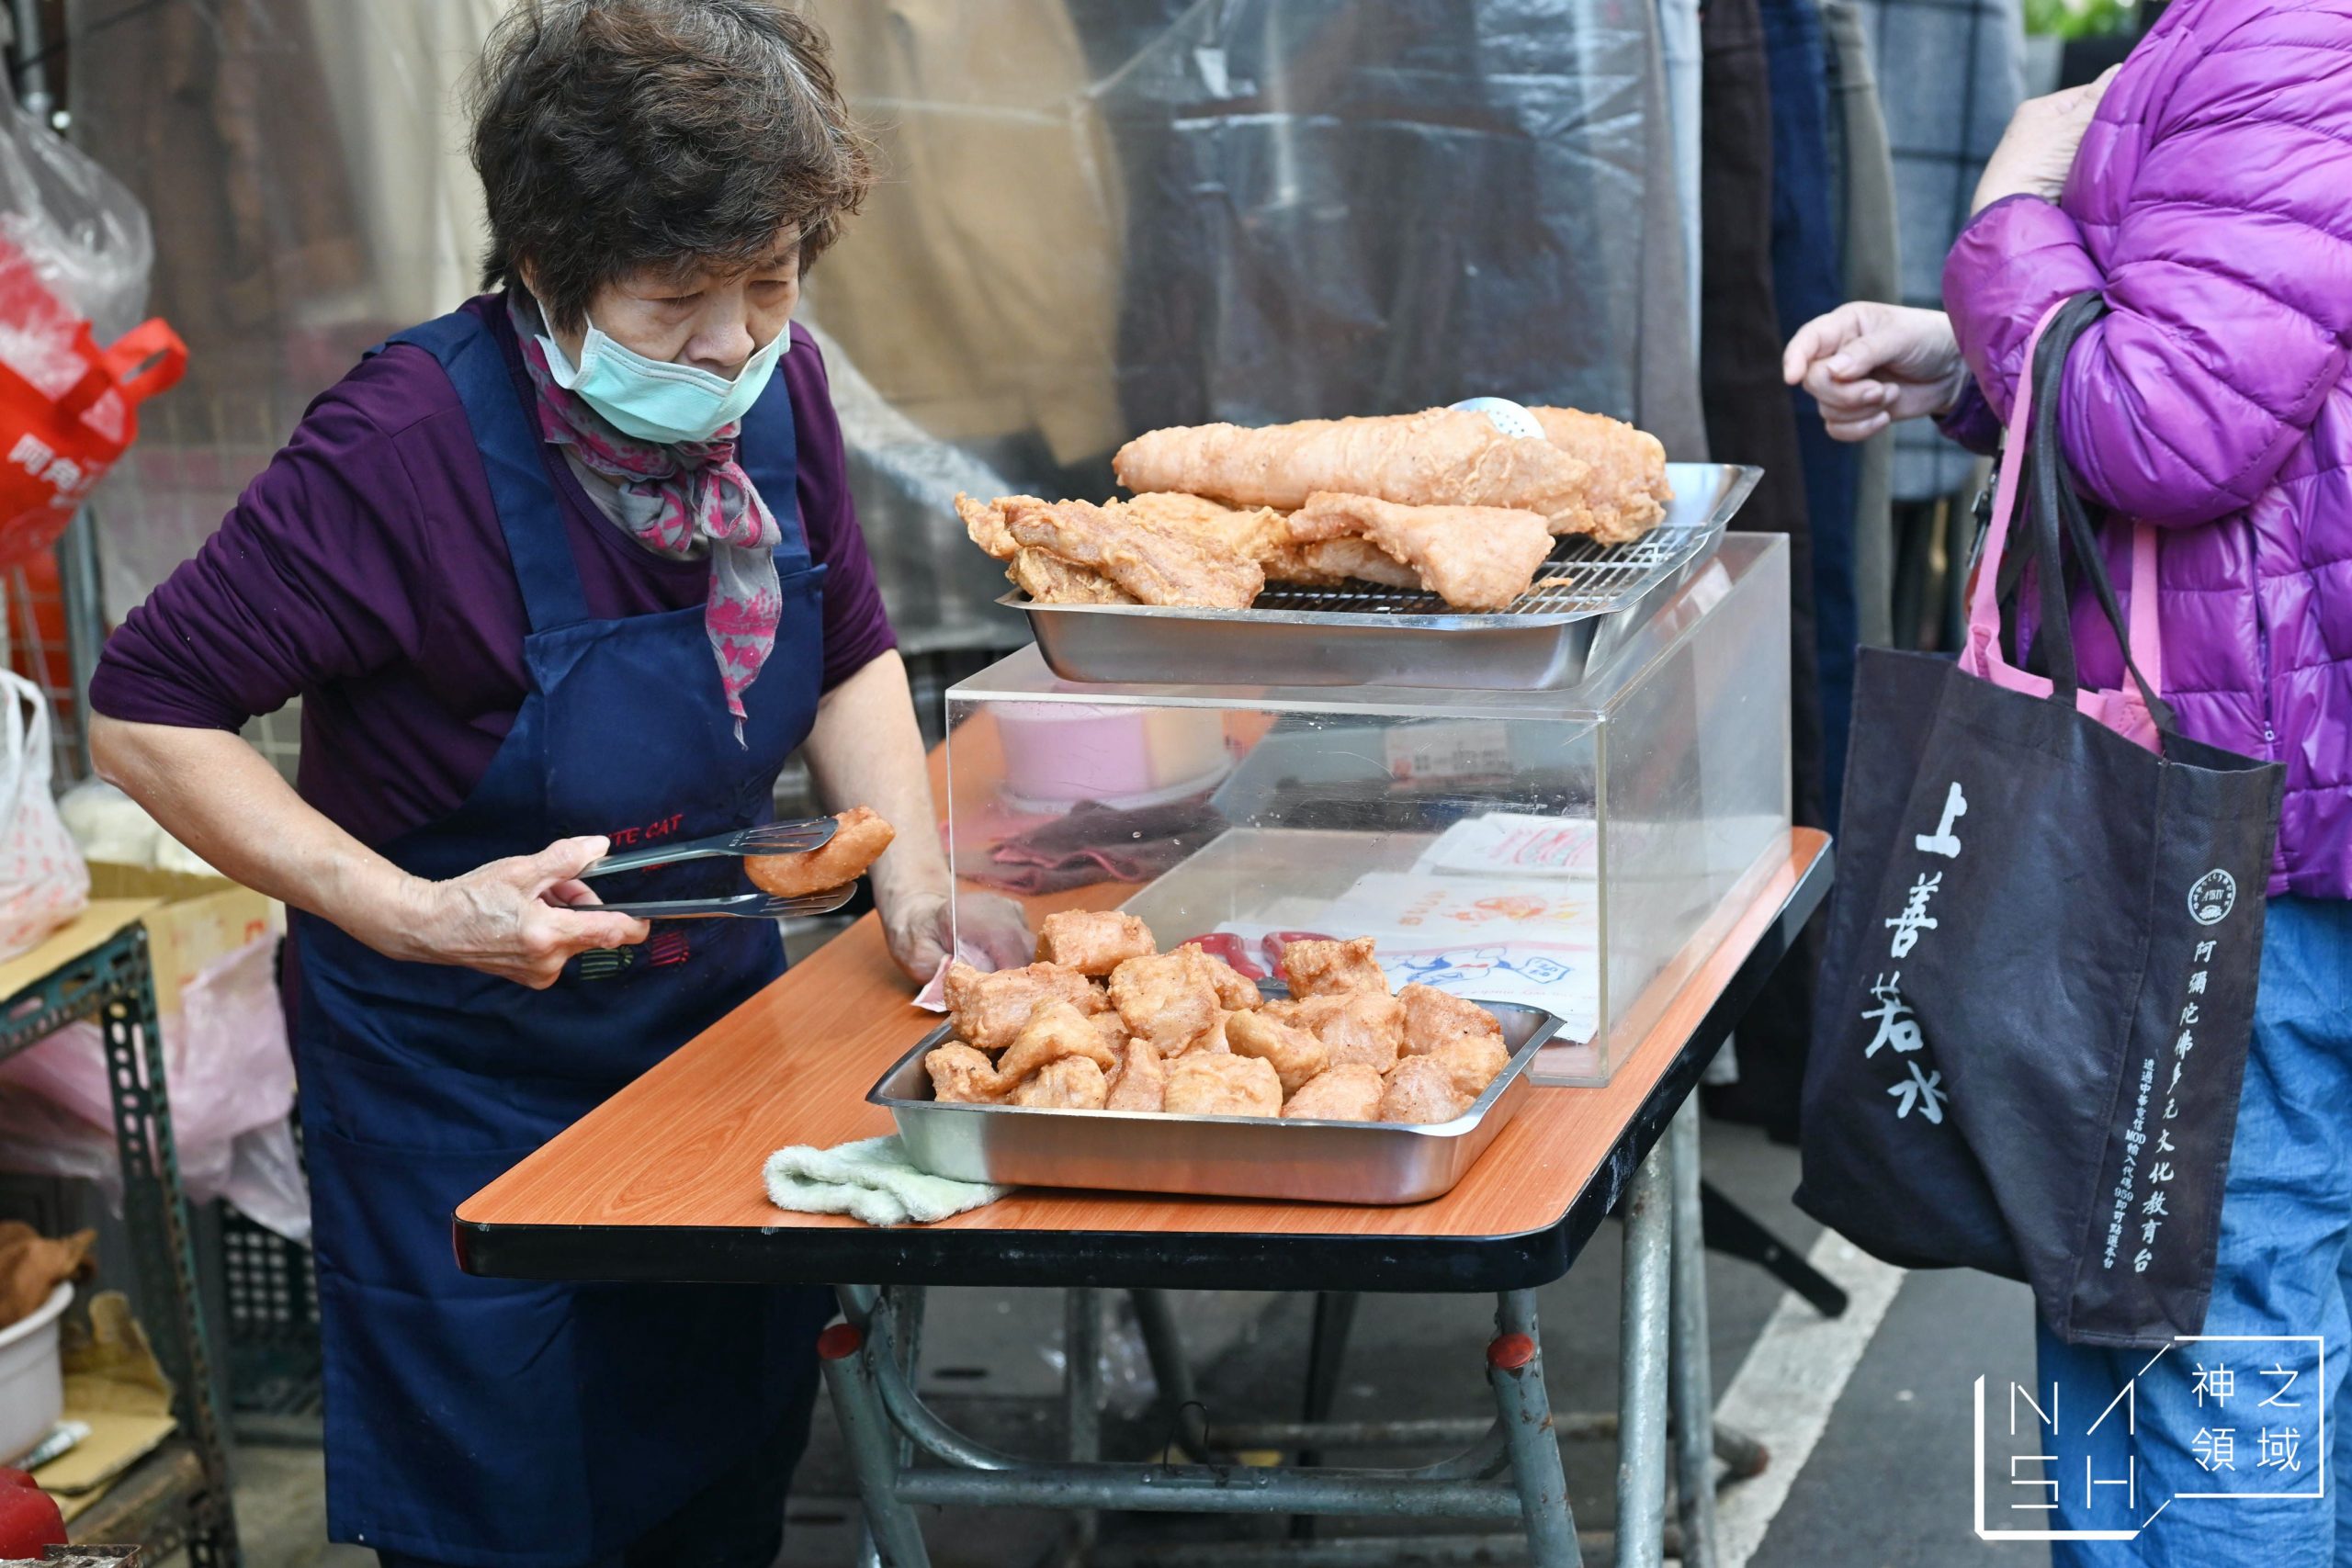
(1806, 281)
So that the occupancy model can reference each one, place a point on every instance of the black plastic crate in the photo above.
(271, 1296)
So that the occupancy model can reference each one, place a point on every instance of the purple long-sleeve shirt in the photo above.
(363, 571)
(1972, 422)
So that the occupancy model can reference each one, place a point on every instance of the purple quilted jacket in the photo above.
(2211, 205)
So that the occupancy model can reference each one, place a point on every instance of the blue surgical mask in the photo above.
(659, 400)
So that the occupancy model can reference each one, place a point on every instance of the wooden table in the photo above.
(661, 1183)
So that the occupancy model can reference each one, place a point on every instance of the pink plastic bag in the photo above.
(230, 1080)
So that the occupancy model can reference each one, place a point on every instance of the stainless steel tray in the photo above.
(1587, 601)
(1237, 1157)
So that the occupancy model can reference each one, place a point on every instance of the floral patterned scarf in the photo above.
(673, 498)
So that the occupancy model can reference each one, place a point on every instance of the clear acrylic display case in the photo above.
(1577, 850)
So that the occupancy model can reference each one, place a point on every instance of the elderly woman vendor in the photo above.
(575, 559)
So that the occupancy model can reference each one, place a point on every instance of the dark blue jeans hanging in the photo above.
(1806, 276)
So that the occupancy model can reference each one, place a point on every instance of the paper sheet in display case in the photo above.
(1575, 850)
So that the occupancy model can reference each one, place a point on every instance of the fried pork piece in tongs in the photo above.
(1474, 557)
(860, 836)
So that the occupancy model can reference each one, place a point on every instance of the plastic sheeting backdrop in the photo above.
(1098, 216)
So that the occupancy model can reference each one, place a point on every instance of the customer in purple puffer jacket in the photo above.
(2205, 190)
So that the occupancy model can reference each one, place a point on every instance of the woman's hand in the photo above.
(923, 927)
(2037, 152)
(1869, 364)
(521, 919)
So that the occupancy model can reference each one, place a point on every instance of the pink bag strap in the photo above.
(1982, 653)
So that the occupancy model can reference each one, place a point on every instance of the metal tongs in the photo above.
(770, 838)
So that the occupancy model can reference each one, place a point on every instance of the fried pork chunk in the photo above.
(1420, 1089)
(1325, 968)
(1055, 1031)
(1140, 1080)
(1295, 1054)
(1070, 1083)
(961, 1076)
(990, 1010)
(1364, 1025)
(1345, 1092)
(1432, 1017)
(1472, 1061)
(1093, 941)
(1169, 999)
(1218, 1083)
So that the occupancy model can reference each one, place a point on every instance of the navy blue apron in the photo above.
(505, 1422)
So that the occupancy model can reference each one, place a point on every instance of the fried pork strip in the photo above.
(1153, 561)
(1474, 557)
(1626, 490)
(1439, 457)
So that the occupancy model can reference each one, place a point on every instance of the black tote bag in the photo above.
(2042, 950)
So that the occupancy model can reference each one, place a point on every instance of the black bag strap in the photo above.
(2058, 498)
(2050, 529)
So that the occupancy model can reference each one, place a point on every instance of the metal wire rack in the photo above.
(1581, 578)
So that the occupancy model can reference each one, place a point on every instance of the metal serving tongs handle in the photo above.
(741, 907)
(769, 839)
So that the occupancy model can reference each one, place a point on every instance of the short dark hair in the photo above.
(614, 135)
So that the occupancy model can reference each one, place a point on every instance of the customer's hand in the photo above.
(1869, 364)
(521, 919)
(923, 927)
(2037, 152)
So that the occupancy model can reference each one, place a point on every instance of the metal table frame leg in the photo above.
(1641, 1362)
(155, 1209)
(848, 1354)
(1327, 1352)
(1734, 1232)
(1172, 1372)
(910, 1301)
(1690, 1372)
(1523, 1405)
(1082, 1400)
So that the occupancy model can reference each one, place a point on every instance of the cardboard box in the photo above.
(108, 880)
(203, 920)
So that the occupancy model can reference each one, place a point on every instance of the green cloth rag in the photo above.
(872, 1180)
